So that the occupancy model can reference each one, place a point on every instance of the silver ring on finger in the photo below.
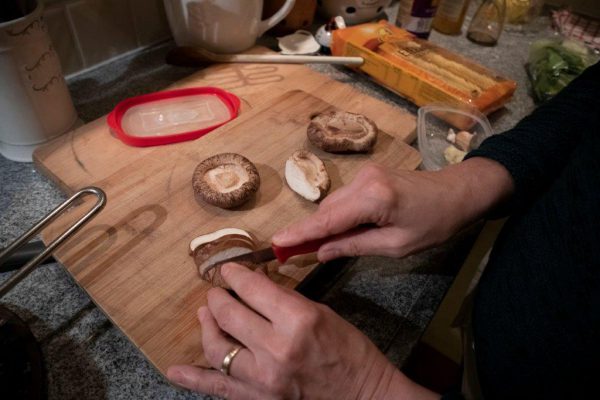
(226, 364)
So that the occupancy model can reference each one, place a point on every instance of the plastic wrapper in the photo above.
(421, 71)
(553, 64)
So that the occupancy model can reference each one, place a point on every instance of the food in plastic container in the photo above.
(438, 141)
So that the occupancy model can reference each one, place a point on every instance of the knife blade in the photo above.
(282, 254)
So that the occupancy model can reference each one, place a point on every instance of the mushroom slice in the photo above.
(226, 180)
(342, 132)
(208, 250)
(463, 140)
(306, 175)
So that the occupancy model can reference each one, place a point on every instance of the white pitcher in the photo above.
(35, 103)
(221, 26)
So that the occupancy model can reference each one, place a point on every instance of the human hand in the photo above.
(412, 210)
(293, 348)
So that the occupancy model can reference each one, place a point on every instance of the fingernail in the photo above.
(279, 236)
(176, 376)
(225, 269)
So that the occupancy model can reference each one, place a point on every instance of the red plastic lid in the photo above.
(172, 116)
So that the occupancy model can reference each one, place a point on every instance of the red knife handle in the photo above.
(283, 253)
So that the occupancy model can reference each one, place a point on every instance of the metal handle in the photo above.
(27, 268)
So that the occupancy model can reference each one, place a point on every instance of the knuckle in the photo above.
(326, 222)
(380, 189)
(251, 286)
(370, 171)
(225, 317)
(352, 248)
(307, 317)
(213, 355)
(287, 356)
(219, 387)
(381, 194)
(274, 382)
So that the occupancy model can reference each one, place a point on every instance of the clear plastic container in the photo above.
(433, 129)
(174, 116)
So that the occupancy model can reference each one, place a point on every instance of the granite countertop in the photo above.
(87, 357)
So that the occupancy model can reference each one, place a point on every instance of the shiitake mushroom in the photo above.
(342, 132)
(226, 180)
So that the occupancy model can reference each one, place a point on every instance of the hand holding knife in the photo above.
(282, 254)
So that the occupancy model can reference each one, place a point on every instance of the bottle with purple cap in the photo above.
(416, 16)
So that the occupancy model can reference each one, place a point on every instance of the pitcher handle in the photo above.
(266, 24)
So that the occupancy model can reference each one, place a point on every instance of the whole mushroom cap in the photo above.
(226, 180)
(342, 132)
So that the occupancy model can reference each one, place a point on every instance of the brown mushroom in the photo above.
(209, 249)
(226, 180)
(306, 175)
(342, 132)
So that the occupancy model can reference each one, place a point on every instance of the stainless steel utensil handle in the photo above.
(27, 268)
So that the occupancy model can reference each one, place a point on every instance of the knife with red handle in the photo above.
(282, 254)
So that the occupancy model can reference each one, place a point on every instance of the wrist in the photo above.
(481, 186)
(395, 385)
(385, 381)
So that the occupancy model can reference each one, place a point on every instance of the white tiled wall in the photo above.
(86, 33)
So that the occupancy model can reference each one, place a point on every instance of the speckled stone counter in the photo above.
(88, 358)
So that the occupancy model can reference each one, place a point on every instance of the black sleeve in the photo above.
(452, 396)
(538, 147)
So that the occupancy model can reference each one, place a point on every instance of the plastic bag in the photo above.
(553, 64)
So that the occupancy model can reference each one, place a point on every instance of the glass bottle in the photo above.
(487, 23)
(416, 16)
(450, 16)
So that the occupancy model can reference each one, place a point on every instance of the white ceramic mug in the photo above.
(221, 26)
(35, 103)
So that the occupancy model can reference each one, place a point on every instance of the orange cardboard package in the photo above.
(421, 71)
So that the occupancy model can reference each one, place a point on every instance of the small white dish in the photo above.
(299, 42)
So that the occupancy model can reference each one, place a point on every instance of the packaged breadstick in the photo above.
(421, 71)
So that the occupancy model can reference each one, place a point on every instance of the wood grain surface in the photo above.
(133, 258)
(90, 154)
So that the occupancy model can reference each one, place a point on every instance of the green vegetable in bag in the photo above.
(554, 63)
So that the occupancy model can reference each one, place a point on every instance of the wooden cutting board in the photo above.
(133, 258)
(88, 154)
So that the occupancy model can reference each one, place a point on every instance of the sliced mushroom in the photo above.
(208, 250)
(226, 180)
(306, 175)
(342, 132)
(463, 140)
